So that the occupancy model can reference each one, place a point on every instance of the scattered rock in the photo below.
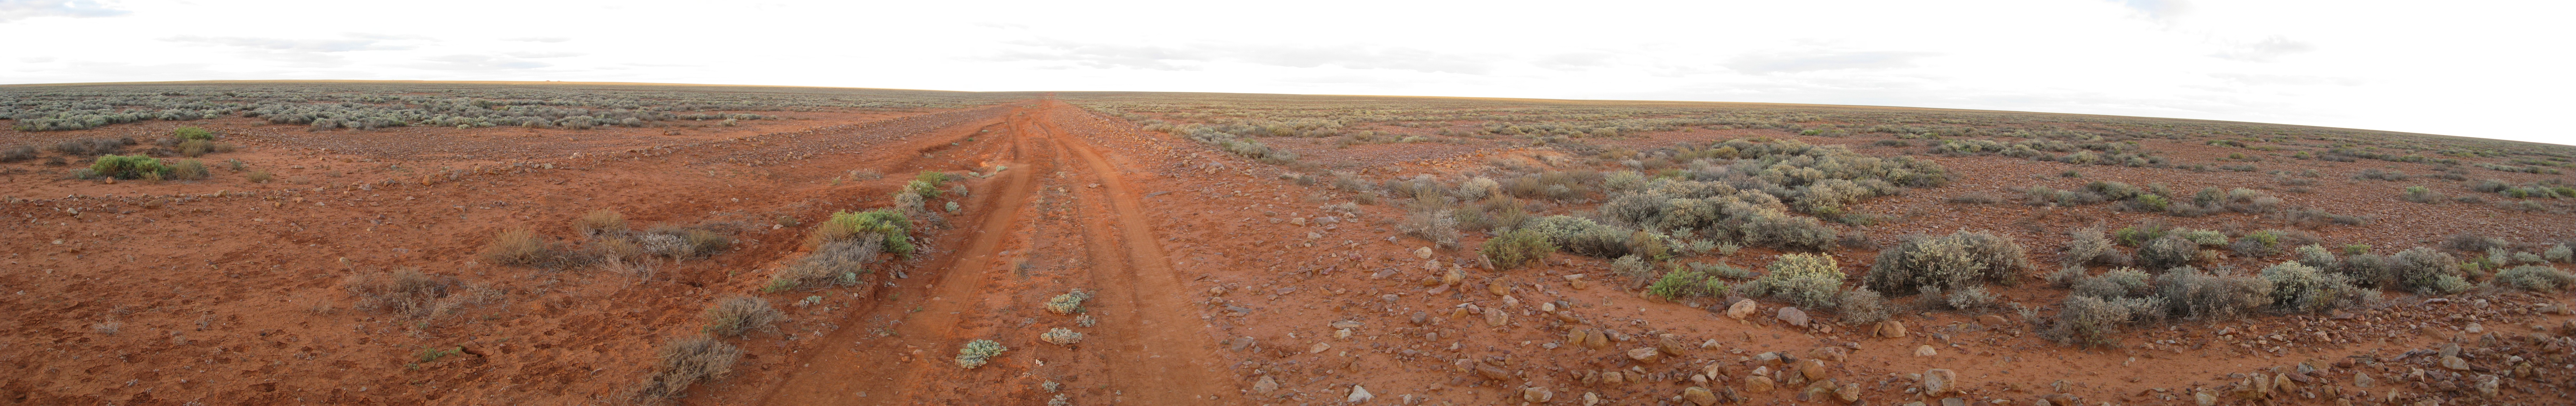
(1347, 324)
(1359, 394)
(2363, 379)
(1646, 355)
(1849, 392)
(1925, 351)
(2449, 350)
(1536, 395)
(1498, 289)
(1669, 346)
(1490, 372)
(1590, 399)
(1453, 277)
(1699, 396)
(1242, 342)
(2475, 328)
(2283, 384)
(1937, 381)
(1741, 309)
(1318, 347)
(1813, 369)
(2060, 399)
(1757, 384)
(1297, 221)
(1991, 320)
(2204, 398)
(1891, 329)
(1422, 253)
(2488, 385)
(1954, 402)
(1575, 337)
(1793, 316)
(2455, 363)
(1265, 385)
(1496, 317)
(1597, 340)
(1421, 318)
(1835, 354)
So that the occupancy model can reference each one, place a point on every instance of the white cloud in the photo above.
(13, 10)
(2474, 69)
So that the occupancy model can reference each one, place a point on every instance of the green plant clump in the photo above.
(128, 166)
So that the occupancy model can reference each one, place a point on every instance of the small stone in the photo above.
(2488, 385)
(2282, 383)
(1496, 317)
(1741, 309)
(2363, 379)
(1757, 384)
(1793, 316)
(1925, 351)
(1850, 392)
(1536, 395)
(1318, 347)
(1422, 253)
(2475, 328)
(2449, 350)
(1421, 317)
(1242, 342)
(1265, 385)
(2455, 363)
(1347, 324)
(1297, 221)
(1954, 402)
(1891, 329)
(1813, 369)
(1647, 354)
(1597, 340)
(1342, 333)
(1498, 289)
(1359, 394)
(1453, 277)
(2204, 398)
(1937, 381)
(2059, 399)
(1591, 399)
(1575, 337)
(1699, 396)
(1991, 320)
(1493, 373)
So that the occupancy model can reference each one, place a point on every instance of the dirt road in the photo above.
(1061, 216)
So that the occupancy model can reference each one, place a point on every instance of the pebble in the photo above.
(1891, 329)
(1757, 384)
(1793, 316)
(1359, 394)
(1265, 385)
(1741, 309)
(1925, 351)
(1937, 381)
(1699, 396)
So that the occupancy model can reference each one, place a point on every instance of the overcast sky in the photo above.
(2458, 68)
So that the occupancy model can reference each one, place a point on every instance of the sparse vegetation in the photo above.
(1068, 303)
(979, 352)
(2203, 296)
(600, 222)
(2537, 278)
(18, 153)
(1862, 306)
(685, 361)
(1810, 280)
(129, 167)
(734, 315)
(1954, 262)
(1517, 248)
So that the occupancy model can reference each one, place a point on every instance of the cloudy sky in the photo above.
(2482, 69)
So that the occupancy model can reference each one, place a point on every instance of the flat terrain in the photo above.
(1229, 249)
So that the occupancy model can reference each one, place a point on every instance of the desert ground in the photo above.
(480, 243)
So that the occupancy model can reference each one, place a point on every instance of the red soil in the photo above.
(228, 292)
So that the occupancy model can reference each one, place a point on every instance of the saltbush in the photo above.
(1951, 262)
(1810, 280)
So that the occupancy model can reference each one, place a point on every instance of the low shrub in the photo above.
(128, 166)
(2428, 271)
(192, 133)
(2258, 244)
(734, 315)
(2087, 246)
(2118, 283)
(406, 292)
(2168, 252)
(1679, 283)
(1633, 268)
(598, 222)
(2298, 288)
(1973, 297)
(2557, 253)
(1779, 229)
(1060, 336)
(979, 352)
(189, 169)
(518, 246)
(1068, 303)
(1582, 236)
(17, 153)
(2473, 243)
(2420, 194)
(2537, 278)
(1862, 306)
(1517, 248)
(2316, 256)
(258, 177)
(1438, 226)
(2202, 296)
(195, 148)
(891, 227)
(2097, 321)
(1951, 262)
(1810, 280)
(686, 361)
(834, 263)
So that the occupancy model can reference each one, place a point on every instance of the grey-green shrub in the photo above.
(734, 315)
(979, 352)
(2087, 246)
(2298, 288)
(1582, 236)
(1862, 306)
(1679, 283)
(2557, 253)
(2428, 270)
(1633, 268)
(2205, 237)
(2199, 295)
(2168, 252)
(2118, 283)
(2318, 257)
(2096, 321)
(1973, 297)
(1779, 229)
(1810, 280)
(1950, 262)
(1721, 270)
(2537, 278)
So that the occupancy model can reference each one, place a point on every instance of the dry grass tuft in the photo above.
(686, 361)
